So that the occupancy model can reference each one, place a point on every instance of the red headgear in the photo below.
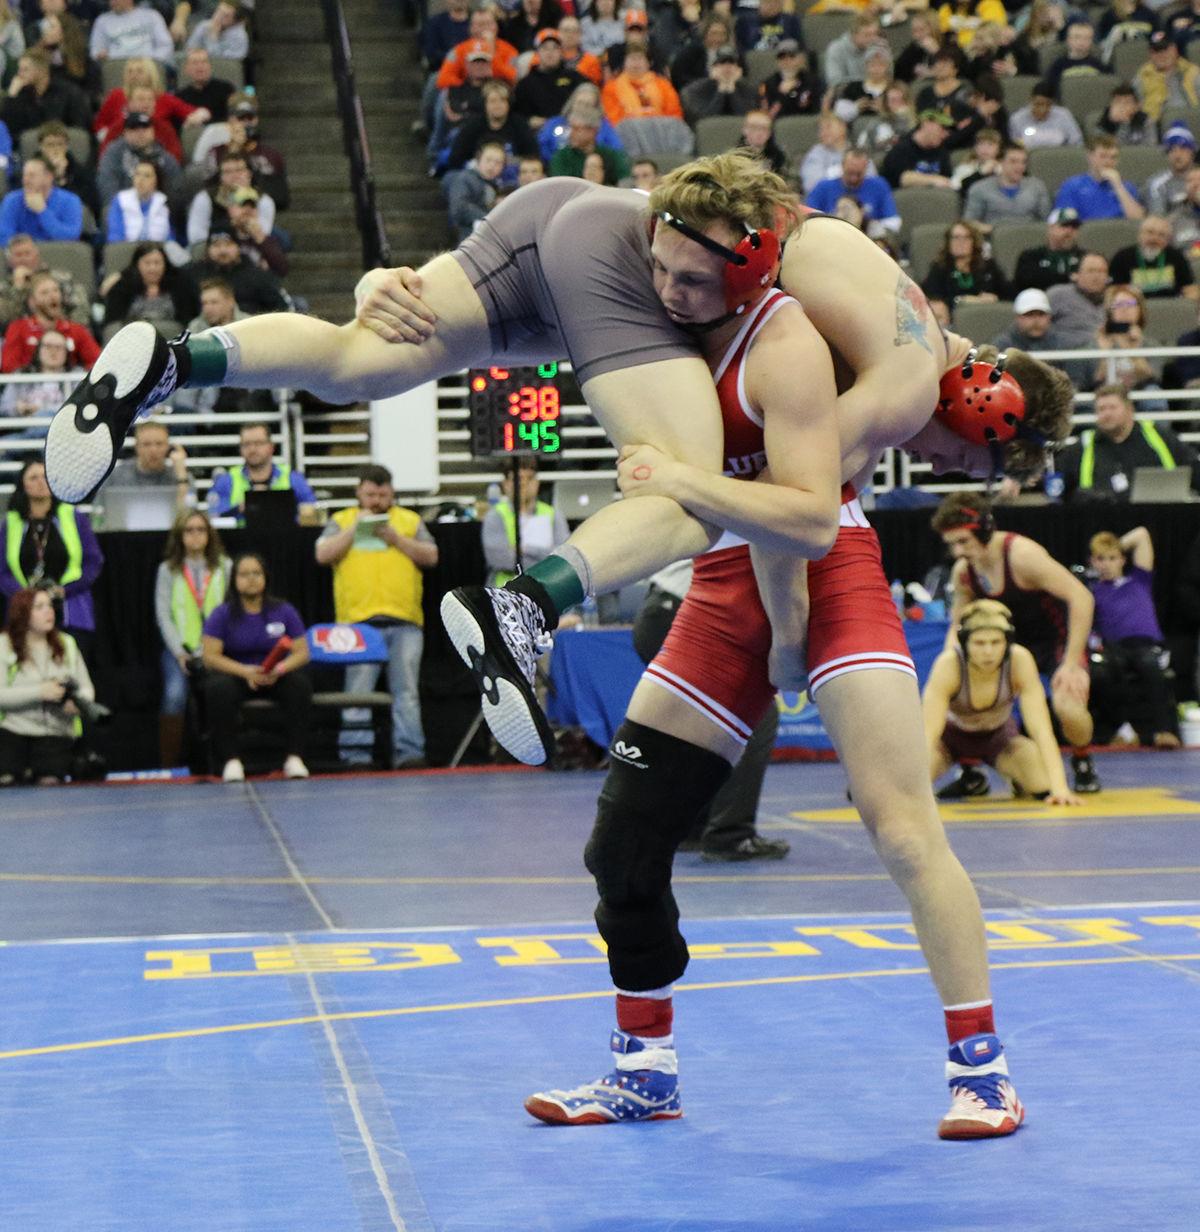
(750, 269)
(981, 402)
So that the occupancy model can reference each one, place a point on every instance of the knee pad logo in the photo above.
(630, 754)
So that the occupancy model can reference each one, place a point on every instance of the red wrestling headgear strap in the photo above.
(750, 269)
(981, 402)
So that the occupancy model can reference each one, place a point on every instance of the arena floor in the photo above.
(290, 1007)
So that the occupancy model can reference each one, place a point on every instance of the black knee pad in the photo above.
(656, 788)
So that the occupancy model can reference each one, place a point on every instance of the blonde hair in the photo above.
(1105, 541)
(734, 188)
(985, 614)
(141, 71)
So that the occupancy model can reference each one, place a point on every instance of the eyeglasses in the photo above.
(1125, 303)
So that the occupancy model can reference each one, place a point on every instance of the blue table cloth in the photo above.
(593, 673)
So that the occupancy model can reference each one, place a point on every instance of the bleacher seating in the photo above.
(982, 322)
(714, 134)
(926, 205)
(1166, 319)
(1056, 164)
(924, 243)
(1128, 57)
(1083, 95)
(1010, 240)
(1108, 235)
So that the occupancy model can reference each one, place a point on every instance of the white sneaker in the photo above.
(234, 771)
(294, 768)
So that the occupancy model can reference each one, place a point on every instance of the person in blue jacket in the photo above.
(39, 208)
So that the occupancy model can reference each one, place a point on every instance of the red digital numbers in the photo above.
(534, 402)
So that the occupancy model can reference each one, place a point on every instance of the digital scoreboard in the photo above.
(514, 411)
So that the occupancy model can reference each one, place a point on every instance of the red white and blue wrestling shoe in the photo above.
(983, 1103)
(626, 1094)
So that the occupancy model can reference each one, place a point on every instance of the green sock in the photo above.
(210, 361)
(553, 584)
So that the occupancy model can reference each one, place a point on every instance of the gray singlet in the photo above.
(563, 269)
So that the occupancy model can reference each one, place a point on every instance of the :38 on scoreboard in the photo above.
(514, 411)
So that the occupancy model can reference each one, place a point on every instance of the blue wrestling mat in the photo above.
(324, 1075)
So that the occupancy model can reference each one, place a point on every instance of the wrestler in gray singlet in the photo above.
(563, 269)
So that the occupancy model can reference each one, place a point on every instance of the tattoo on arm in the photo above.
(912, 312)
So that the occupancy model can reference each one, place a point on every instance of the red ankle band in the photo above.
(978, 1020)
(644, 1015)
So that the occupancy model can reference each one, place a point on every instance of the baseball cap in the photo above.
(1031, 300)
(477, 49)
(245, 196)
(1064, 216)
(939, 117)
(636, 17)
(138, 119)
(245, 109)
(549, 35)
(787, 47)
(1160, 39)
(219, 234)
(726, 55)
(1179, 134)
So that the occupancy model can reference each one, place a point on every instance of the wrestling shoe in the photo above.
(499, 634)
(622, 1095)
(1086, 779)
(752, 847)
(983, 1103)
(136, 370)
(970, 783)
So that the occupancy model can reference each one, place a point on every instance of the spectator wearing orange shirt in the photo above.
(638, 93)
(486, 31)
(570, 33)
(45, 312)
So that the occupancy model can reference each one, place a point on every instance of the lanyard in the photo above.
(196, 593)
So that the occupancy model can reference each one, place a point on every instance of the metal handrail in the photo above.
(375, 248)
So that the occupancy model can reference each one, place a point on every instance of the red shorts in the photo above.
(715, 656)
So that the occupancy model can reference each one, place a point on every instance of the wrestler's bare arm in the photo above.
(1035, 715)
(945, 679)
(877, 319)
(796, 508)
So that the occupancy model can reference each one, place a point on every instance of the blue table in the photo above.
(593, 673)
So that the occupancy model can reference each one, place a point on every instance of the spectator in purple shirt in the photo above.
(1129, 678)
(45, 542)
(239, 635)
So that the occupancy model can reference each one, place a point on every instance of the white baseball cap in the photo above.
(1031, 300)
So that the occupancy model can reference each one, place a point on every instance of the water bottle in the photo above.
(589, 612)
(898, 596)
(1053, 485)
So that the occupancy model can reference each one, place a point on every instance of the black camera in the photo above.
(92, 712)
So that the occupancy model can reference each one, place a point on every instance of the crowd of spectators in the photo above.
(905, 120)
(135, 176)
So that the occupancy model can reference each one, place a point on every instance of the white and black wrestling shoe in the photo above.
(136, 370)
(500, 634)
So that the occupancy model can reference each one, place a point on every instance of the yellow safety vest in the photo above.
(65, 517)
(505, 510)
(386, 583)
(1087, 460)
(240, 483)
(186, 615)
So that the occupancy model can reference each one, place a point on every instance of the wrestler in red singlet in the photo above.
(715, 656)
